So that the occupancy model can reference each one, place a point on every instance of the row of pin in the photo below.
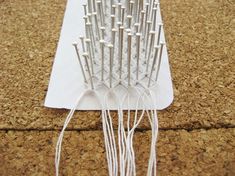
(144, 31)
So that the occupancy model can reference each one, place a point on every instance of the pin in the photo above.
(119, 11)
(149, 50)
(154, 19)
(146, 17)
(135, 11)
(142, 21)
(123, 15)
(136, 25)
(112, 21)
(156, 48)
(90, 28)
(86, 56)
(156, 4)
(138, 10)
(120, 51)
(102, 42)
(129, 18)
(94, 5)
(102, 28)
(85, 9)
(131, 7)
(80, 62)
(89, 3)
(86, 29)
(147, 37)
(114, 31)
(151, 10)
(110, 46)
(129, 57)
(159, 33)
(138, 35)
(91, 39)
(88, 41)
(100, 12)
(159, 60)
(97, 25)
(155, 7)
(127, 5)
(111, 5)
(113, 9)
(83, 44)
(104, 5)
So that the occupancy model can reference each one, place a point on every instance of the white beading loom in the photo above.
(119, 62)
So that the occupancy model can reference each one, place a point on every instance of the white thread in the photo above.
(67, 120)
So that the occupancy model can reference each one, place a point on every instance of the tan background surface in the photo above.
(197, 133)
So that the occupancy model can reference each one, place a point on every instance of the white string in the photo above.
(113, 158)
(130, 155)
(127, 166)
(67, 120)
(152, 166)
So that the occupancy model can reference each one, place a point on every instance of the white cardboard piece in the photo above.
(66, 82)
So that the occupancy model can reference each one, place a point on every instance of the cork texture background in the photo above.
(197, 132)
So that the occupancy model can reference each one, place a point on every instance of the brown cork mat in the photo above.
(200, 38)
(179, 153)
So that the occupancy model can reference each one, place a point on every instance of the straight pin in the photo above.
(85, 9)
(131, 7)
(136, 25)
(110, 46)
(151, 9)
(89, 3)
(114, 31)
(102, 43)
(135, 12)
(159, 33)
(129, 57)
(102, 28)
(138, 10)
(83, 44)
(146, 18)
(156, 48)
(80, 62)
(91, 37)
(113, 9)
(138, 35)
(111, 5)
(142, 21)
(94, 6)
(154, 19)
(129, 18)
(120, 51)
(149, 51)
(88, 41)
(86, 29)
(100, 12)
(112, 21)
(86, 56)
(123, 15)
(119, 11)
(97, 25)
(147, 37)
(159, 60)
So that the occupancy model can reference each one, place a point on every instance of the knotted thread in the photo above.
(123, 162)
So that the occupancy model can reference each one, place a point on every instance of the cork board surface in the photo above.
(200, 38)
(200, 152)
(196, 132)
